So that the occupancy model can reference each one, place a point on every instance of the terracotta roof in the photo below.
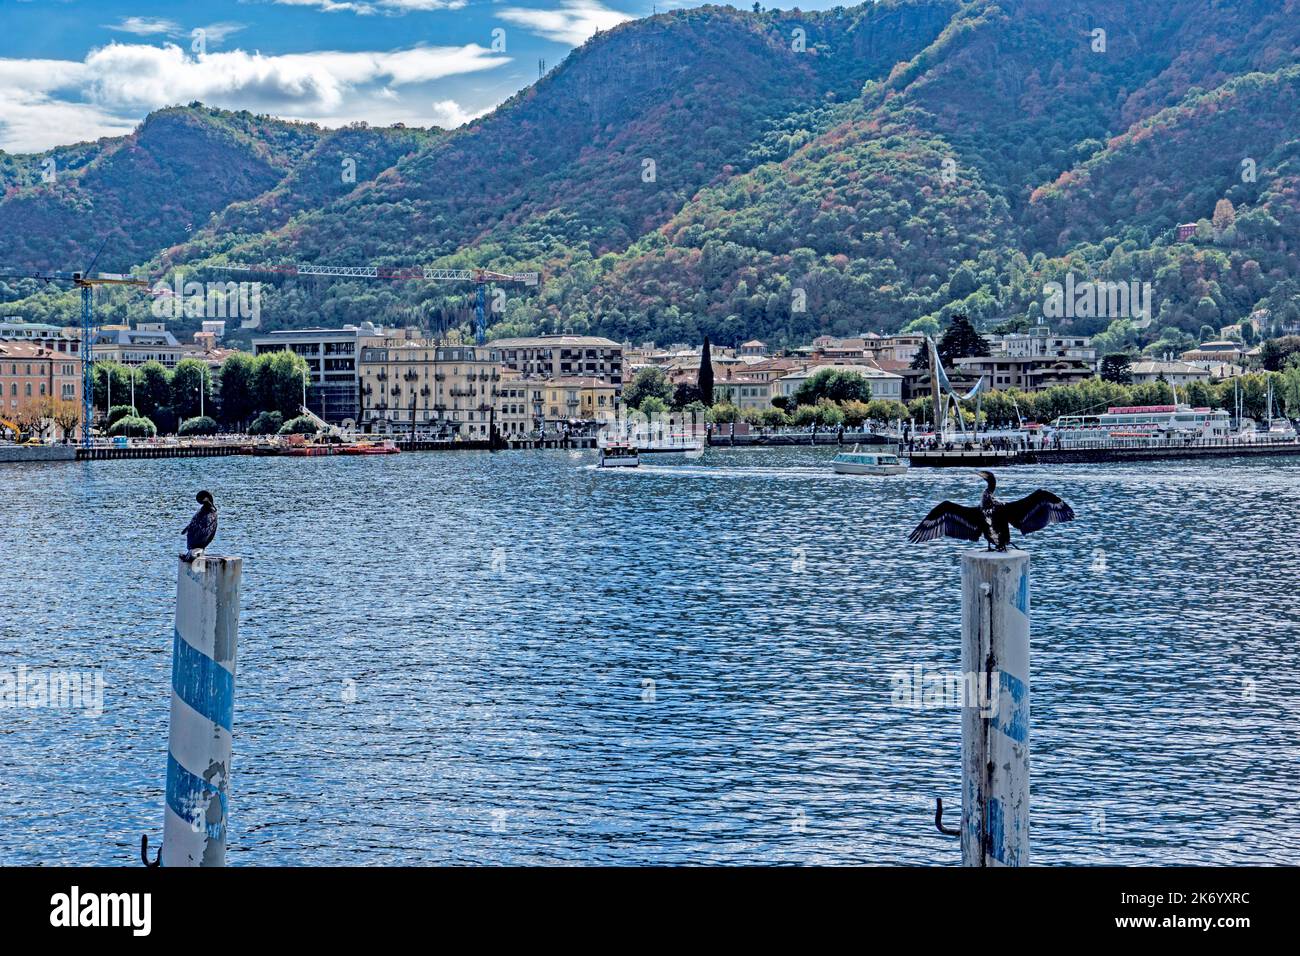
(30, 350)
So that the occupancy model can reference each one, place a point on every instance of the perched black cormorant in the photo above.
(202, 527)
(993, 519)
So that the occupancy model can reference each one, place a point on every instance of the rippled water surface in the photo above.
(682, 663)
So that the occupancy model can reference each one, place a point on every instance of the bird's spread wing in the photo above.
(1035, 512)
(951, 520)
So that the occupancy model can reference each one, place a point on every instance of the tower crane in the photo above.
(481, 278)
(86, 282)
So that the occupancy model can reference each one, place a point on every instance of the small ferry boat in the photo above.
(867, 463)
(619, 455)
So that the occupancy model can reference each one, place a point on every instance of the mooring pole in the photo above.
(995, 718)
(203, 702)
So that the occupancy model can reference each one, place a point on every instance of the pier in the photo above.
(214, 450)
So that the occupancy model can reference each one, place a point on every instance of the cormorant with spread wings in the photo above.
(993, 519)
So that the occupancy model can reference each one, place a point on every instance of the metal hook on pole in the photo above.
(144, 852)
(938, 819)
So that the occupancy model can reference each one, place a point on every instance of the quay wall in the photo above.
(21, 453)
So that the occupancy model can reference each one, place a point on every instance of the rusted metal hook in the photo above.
(144, 852)
(938, 819)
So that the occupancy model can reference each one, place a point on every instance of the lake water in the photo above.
(517, 658)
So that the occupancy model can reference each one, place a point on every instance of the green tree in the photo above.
(804, 416)
(653, 405)
(118, 412)
(200, 425)
(1274, 353)
(134, 427)
(120, 377)
(1117, 368)
(837, 385)
(962, 284)
(647, 383)
(855, 413)
(829, 414)
(1288, 391)
(188, 377)
(280, 377)
(266, 423)
(724, 412)
(239, 398)
(685, 394)
(153, 389)
(302, 425)
(960, 340)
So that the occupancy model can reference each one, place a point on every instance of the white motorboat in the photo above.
(867, 463)
(619, 455)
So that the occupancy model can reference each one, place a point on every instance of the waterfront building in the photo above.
(577, 400)
(901, 348)
(411, 385)
(1223, 350)
(1175, 373)
(55, 337)
(563, 356)
(1024, 372)
(331, 357)
(887, 386)
(1032, 361)
(147, 342)
(745, 392)
(1039, 342)
(515, 401)
(32, 372)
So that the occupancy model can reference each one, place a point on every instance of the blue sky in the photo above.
(73, 70)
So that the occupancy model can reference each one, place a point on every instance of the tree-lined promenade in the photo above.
(833, 397)
(258, 394)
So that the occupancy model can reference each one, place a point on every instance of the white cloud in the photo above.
(449, 114)
(216, 32)
(572, 23)
(145, 26)
(107, 92)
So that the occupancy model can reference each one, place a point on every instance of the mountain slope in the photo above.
(783, 174)
(146, 191)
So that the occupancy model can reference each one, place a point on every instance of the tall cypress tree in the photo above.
(705, 382)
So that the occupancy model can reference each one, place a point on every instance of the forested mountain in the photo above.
(755, 174)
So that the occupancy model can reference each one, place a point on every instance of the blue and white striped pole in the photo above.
(202, 712)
